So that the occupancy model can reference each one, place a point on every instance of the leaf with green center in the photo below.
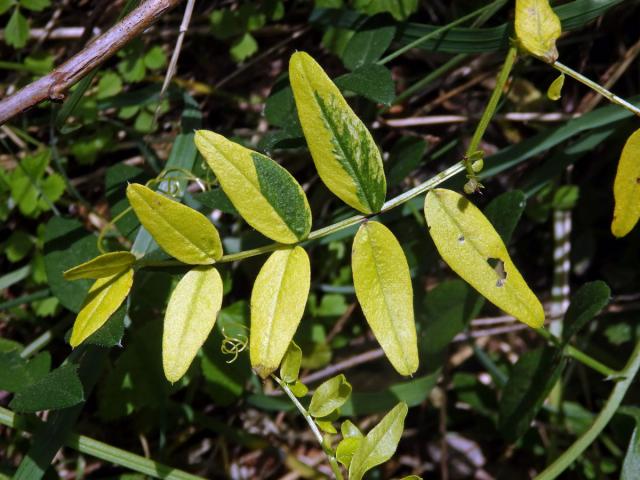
(554, 92)
(383, 286)
(265, 194)
(104, 265)
(470, 245)
(278, 300)
(103, 299)
(380, 443)
(626, 188)
(330, 396)
(537, 28)
(290, 366)
(346, 157)
(190, 316)
(181, 231)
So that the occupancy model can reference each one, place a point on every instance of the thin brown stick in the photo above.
(54, 85)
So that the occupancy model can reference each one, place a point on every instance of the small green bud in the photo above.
(477, 166)
(471, 186)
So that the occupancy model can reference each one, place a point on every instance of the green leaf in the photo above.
(103, 299)
(290, 366)
(351, 440)
(265, 194)
(18, 245)
(35, 5)
(5, 5)
(17, 373)
(110, 334)
(537, 28)
(504, 212)
(104, 265)
(383, 286)
(155, 58)
(530, 381)
(181, 231)
(278, 300)
(371, 81)
(554, 92)
(469, 244)
(244, 47)
(280, 108)
(626, 188)
(61, 388)
(191, 314)
(586, 303)
(380, 443)
(404, 157)
(399, 9)
(110, 84)
(369, 43)
(566, 197)
(330, 396)
(344, 152)
(16, 33)
(631, 464)
(299, 389)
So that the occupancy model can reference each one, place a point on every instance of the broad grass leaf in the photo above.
(181, 231)
(290, 367)
(345, 155)
(263, 192)
(60, 388)
(383, 286)
(104, 265)
(586, 303)
(537, 28)
(330, 396)
(626, 188)
(554, 92)
(190, 316)
(470, 245)
(103, 299)
(380, 443)
(278, 300)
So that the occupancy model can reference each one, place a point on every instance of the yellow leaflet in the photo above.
(181, 231)
(473, 249)
(265, 194)
(554, 91)
(102, 266)
(537, 28)
(191, 314)
(278, 300)
(342, 148)
(383, 287)
(104, 297)
(626, 188)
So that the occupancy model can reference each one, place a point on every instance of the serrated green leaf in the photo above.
(191, 314)
(265, 194)
(537, 28)
(383, 286)
(104, 265)
(181, 231)
(626, 188)
(370, 81)
(278, 300)
(344, 152)
(290, 366)
(329, 396)
(380, 443)
(554, 92)
(467, 241)
(369, 43)
(586, 303)
(16, 33)
(103, 299)
(60, 388)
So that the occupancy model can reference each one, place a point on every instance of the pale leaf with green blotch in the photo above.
(554, 92)
(329, 396)
(263, 192)
(104, 297)
(181, 231)
(473, 249)
(537, 28)
(380, 443)
(626, 188)
(190, 316)
(104, 265)
(290, 366)
(383, 286)
(278, 300)
(343, 150)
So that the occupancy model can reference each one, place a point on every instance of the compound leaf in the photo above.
(537, 28)
(626, 188)
(469, 244)
(383, 286)
(104, 265)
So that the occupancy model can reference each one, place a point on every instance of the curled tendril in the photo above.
(233, 345)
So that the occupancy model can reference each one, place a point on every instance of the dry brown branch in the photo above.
(54, 85)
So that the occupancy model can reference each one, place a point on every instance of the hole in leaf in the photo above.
(461, 239)
(498, 266)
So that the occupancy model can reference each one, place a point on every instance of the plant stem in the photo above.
(613, 98)
(106, 452)
(613, 402)
(335, 468)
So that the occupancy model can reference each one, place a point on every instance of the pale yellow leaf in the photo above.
(537, 28)
(554, 92)
(104, 265)
(626, 188)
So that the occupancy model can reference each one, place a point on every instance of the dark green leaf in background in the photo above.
(60, 388)
(586, 303)
(371, 81)
(369, 43)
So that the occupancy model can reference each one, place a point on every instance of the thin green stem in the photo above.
(335, 468)
(103, 451)
(628, 374)
(613, 98)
